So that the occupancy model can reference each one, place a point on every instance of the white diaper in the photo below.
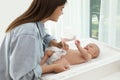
(56, 55)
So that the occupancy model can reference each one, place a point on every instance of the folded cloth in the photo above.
(56, 55)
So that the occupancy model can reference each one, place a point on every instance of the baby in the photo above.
(71, 57)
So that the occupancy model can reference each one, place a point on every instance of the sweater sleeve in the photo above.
(47, 39)
(24, 60)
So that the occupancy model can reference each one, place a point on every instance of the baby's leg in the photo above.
(62, 61)
(47, 55)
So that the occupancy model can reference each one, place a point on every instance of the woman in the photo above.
(24, 44)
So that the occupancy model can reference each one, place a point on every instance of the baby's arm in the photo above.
(48, 53)
(84, 54)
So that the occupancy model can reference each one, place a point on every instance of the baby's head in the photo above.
(92, 49)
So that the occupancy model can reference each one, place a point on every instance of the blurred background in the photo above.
(98, 19)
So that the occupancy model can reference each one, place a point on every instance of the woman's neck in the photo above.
(44, 20)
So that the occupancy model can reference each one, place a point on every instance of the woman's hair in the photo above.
(38, 10)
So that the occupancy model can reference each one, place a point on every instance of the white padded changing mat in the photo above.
(107, 55)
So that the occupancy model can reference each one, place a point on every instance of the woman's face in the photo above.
(58, 12)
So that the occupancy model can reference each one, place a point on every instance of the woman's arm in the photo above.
(24, 59)
(50, 41)
(54, 68)
(59, 44)
(53, 43)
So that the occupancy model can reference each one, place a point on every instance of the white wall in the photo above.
(9, 10)
(74, 21)
(75, 17)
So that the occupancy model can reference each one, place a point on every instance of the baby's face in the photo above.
(91, 48)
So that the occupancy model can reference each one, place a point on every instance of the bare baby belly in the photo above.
(63, 61)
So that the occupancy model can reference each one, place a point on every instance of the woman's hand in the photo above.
(60, 67)
(63, 45)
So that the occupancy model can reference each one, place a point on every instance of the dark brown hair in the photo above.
(38, 10)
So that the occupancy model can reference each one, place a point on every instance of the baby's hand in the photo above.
(77, 42)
